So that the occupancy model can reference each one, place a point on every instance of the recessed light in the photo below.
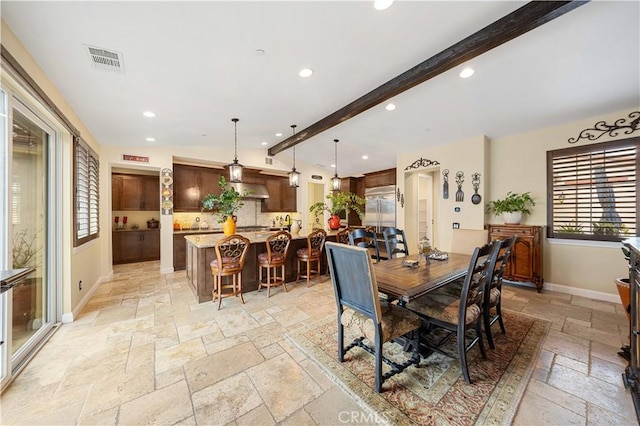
(150, 139)
(263, 144)
(305, 72)
(278, 134)
(148, 114)
(333, 166)
(466, 73)
(390, 107)
(382, 4)
(365, 157)
(260, 52)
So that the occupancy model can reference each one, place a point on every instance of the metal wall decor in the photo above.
(475, 182)
(445, 184)
(620, 126)
(402, 200)
(166, 178)
(459, 182)
(422, 162)
(398, 194)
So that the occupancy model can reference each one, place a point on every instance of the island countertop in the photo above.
(210, 240)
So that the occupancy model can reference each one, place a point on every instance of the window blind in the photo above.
(86, 194)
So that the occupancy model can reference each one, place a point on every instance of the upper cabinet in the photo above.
(355, 186)
(380, 178)
(282, 197)
(191, 184)
(135, 192)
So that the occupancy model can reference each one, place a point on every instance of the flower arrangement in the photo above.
(512, 203)
(340, 201)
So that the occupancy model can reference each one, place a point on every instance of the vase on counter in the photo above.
(295, 226)
(334, 222)
(229, 226)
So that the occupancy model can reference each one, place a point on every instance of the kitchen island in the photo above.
(201, 251)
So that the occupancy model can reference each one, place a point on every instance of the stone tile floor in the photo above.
(143, 351)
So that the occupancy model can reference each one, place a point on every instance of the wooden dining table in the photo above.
(404, 283)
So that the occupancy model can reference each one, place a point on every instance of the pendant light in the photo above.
(235, 168)
(294, 176)
(335, 180)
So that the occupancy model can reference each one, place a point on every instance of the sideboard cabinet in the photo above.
(525, 264)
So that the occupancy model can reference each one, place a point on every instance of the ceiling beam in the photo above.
(513, 25)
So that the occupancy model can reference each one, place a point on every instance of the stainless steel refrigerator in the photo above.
(380, 207)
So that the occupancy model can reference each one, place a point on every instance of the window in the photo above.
(86, 193)
(593, 191)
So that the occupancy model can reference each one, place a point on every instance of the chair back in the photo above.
(343, 236)
(479, 275)
(464, 241)
(363, 238)
(353, 279)
(278, 246)
(395, 241)
(231, 252)
(315, 243)
(502, 260)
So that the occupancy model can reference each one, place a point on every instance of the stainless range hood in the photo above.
(257, 190)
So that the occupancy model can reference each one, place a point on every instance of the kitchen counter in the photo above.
(201, 251)
(135, 230)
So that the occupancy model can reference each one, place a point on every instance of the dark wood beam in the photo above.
(513, 25)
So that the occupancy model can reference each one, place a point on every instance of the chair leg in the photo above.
(308, 272)
(219, 292)
(298, 274)
(499, 315)
(319, 272)
(240, 287)
(284, 284)
(340, 338)
(462, 351)
(479, 335)
(268, 282)
(378, 380)
(486, 315)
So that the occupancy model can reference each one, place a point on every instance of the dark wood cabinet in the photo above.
(179, 252)
(191, 184)
(525, 264)
(380, 178)
(282, 197)
(355, 186)
(135, 192)
(135, 246)
(631, 376)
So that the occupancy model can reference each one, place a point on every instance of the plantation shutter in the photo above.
(87, 194)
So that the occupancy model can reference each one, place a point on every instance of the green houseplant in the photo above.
(512, 207)
(226, 204)
(340, 202)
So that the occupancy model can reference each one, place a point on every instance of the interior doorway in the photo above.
(315, 194)
(420, 207)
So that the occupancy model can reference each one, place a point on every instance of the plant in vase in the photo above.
(340, 202)
(226, 204)
(512, 207)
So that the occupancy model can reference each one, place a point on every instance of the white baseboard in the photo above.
(582, 292)
(68, 317)
(166, 270)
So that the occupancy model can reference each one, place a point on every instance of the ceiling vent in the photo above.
(106, 60)
(268, 160)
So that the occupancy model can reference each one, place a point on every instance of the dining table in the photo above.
(398, 281)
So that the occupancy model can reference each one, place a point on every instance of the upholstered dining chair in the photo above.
(273, 260)
(493, 292)
(343, 236)
(363, 238)
(459, 314)
(359, 309)
(464, 241)
(231, 252)
(395, 242)
(311, 255)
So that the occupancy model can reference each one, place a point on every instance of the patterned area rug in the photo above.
(434, 393)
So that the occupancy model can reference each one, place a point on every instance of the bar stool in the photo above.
(311, 253)
(230, 255)
(342, 236)
(275, 256)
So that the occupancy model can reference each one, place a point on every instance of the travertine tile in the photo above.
(258, 416)
(607, 371)
(271, 351)
(335, 407)
(295, 387)
(299, 418)
(166, 406)
(178, 355)
(555, 395)
(535, 410)
(116, 389)
(581, 367)
(316, 373)
(226, 400)
(598, 416)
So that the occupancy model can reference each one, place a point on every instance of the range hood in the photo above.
(257, 190)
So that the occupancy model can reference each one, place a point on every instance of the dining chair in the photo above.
(363, 238)
(343, 236)
(459, 314)
(360, 310)
(395, 242)
(464, 241)
(311, 254)
(273, 259)
(493, 291)
(231, 252)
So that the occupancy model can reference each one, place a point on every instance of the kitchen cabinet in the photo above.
(282, 197)
(355, 186)
(135, 192)
(525, 264)
(191, 184)
(135, 246)
(380, 178)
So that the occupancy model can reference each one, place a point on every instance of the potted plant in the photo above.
(512, 207)
(340, 201)
(226, 204)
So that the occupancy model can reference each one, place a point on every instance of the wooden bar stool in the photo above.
(310, 254)
(230, 255)
(274, 258)
(342, 236)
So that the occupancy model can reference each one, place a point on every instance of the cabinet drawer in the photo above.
(505, 231)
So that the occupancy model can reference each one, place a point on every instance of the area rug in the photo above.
(435, 393)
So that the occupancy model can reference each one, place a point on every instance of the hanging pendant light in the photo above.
(294, 176)
(235, 168)
(335, 180)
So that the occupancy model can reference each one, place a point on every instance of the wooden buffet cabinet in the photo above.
(525, 264)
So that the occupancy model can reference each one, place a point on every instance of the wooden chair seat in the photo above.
(395, 321)
(309, 259)
(273, 260)
(304, 252)
(263, 258)
(230, 252)
(231, 265)
(445, 306)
